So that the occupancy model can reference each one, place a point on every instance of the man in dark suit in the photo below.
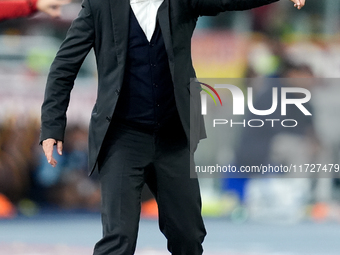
(140, 125)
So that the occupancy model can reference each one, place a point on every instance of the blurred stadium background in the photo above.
(56, 211)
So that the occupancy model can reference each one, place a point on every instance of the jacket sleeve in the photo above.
(214, 7)
(64, 69)
(10, 9)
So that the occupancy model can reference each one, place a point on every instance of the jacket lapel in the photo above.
(120, 10)
(164, 22)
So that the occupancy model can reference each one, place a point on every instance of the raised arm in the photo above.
(17, 8)
(213, 7)
(10, 9)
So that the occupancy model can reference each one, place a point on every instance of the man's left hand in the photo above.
(298, 3)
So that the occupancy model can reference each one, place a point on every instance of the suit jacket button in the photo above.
(117, 92)
(108, 118)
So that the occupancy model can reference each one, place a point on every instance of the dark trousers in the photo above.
(131, 157)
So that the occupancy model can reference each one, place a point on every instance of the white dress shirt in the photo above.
(146, 12)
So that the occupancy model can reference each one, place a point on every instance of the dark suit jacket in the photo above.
(103, 25)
